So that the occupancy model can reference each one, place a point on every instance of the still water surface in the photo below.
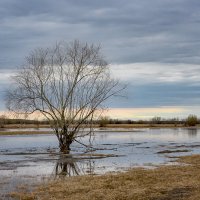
(30, 158)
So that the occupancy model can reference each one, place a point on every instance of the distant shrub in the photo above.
(104, 120)
(2, 121)
(191, 120)
(156, 120)
(141, 122)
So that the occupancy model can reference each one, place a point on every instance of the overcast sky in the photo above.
(153, 45)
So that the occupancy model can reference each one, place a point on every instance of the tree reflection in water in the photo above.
(192, 132)
(67, 166)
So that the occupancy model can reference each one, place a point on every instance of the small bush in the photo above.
(2, 121)
(156, 120)
(191, 120)
(103, 121)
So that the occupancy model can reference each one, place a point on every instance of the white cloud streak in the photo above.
(143, 73)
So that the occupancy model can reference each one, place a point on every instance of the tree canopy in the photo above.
(68, 84)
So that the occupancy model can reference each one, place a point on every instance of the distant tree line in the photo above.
(7, 121)
(191, 120)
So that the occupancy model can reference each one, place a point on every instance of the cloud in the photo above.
(136, 31)
(150, 112)
(153, 45)
(157, 95)
(157, 84)
(5, 83)
(142, 73)
(148, 84)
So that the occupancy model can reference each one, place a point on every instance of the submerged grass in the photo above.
(174, 151)
(164, 183)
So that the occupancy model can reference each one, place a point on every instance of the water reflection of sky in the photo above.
(37, 155)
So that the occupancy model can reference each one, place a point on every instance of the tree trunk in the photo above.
(65, 142)
(65, 147)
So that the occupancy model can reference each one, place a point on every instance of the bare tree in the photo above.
(67, 84)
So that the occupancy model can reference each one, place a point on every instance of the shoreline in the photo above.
(165, 182)
(107, 128)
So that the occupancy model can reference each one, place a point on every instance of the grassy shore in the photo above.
(164, 183)
(14, 126)
(24, 132)
(117, 127)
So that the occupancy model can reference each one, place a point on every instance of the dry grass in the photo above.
(117, 127)
(143, 125)
(147, 125)
(24, 132)
(10, 126)
(164, 183)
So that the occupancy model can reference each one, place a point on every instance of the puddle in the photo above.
(27, 159)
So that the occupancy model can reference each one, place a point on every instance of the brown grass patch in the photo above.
(143, 125)
(24, 132)
(117, 127)
(163, 183)
(10, 126)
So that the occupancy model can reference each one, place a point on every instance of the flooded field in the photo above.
(27, 159)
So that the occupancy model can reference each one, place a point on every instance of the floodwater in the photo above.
(29, 159)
